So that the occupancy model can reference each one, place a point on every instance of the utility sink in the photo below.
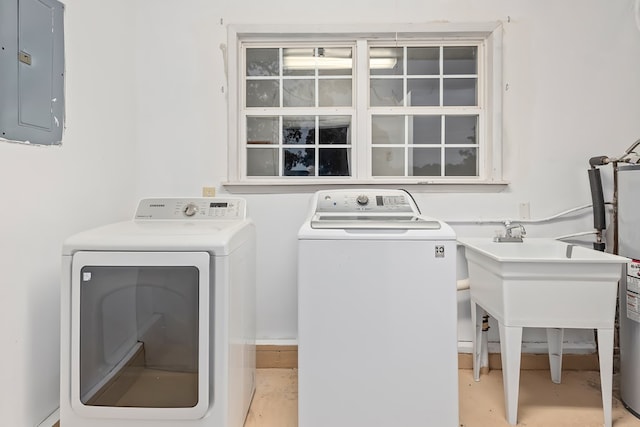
(542, 283)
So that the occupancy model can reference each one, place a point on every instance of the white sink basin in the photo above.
(542, 283)
(537, 250)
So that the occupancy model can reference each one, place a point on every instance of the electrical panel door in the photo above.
(32, 70)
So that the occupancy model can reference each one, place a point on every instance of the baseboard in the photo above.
(286, 356)
(276, 356)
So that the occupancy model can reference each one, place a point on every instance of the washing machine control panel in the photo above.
(382, 201)
(199, 208)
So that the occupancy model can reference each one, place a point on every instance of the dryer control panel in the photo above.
(196, 208)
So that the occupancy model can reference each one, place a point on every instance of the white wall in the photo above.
(572, 68)
(147, 116)
(49, 193)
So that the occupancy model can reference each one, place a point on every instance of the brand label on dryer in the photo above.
(439, 251)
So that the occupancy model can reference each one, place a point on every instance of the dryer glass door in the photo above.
(137, 332)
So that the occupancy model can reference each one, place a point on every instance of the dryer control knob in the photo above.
(362, 199)
(190, 210)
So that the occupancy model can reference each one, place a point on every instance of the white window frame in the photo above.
(489, 35)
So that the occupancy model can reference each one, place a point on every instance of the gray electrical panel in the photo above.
(32, 71)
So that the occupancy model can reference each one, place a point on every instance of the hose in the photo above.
(595, 182)
(521, 221)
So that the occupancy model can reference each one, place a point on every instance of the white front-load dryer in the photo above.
(158, 318)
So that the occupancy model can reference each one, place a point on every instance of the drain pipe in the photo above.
(462, 285)
(484, 356)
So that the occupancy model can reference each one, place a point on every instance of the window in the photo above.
(414, 107)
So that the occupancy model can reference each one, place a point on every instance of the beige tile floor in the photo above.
(574, 403)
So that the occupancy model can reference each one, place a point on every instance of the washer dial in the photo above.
(362, 200)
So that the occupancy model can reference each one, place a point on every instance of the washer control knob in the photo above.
(362, 199)
(190, 210)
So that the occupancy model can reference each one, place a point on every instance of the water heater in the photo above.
(629, 246)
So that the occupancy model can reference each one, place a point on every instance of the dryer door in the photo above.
(140, 334)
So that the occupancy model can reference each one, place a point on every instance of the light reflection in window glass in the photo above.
(262, 161)
(387, 161)
(385, 92)
(298, 93)
(262, 62)
(423, 92)
(298, 61)
(387, 129)
(262, 130)
(263, 93)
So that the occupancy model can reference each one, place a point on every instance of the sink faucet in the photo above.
(509, 235)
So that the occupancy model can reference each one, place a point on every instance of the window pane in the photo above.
(334, 161)
(298, 93)
(298, 61)
(459, 92)
(387, 161)
(262, 62)
(386, 61)
(386, 92)
(425, 162)
(421, 92)
(335, 61)
(423, 60)
(387, 129)
(262, 161)
(262, 130)
(460, 60)
(461, 162)
(299, 162)
(299, 130)
(263, 93)
(461, 129)
(424, 129)
(334, 92)
(335, 130)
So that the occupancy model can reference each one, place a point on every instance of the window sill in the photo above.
(450, 186)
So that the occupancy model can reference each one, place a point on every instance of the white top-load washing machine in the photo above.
(377, 313)
(158, 318)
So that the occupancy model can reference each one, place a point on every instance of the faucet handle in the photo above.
(520, 231)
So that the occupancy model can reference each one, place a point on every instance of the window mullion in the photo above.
(443, 137)
(361, 144)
